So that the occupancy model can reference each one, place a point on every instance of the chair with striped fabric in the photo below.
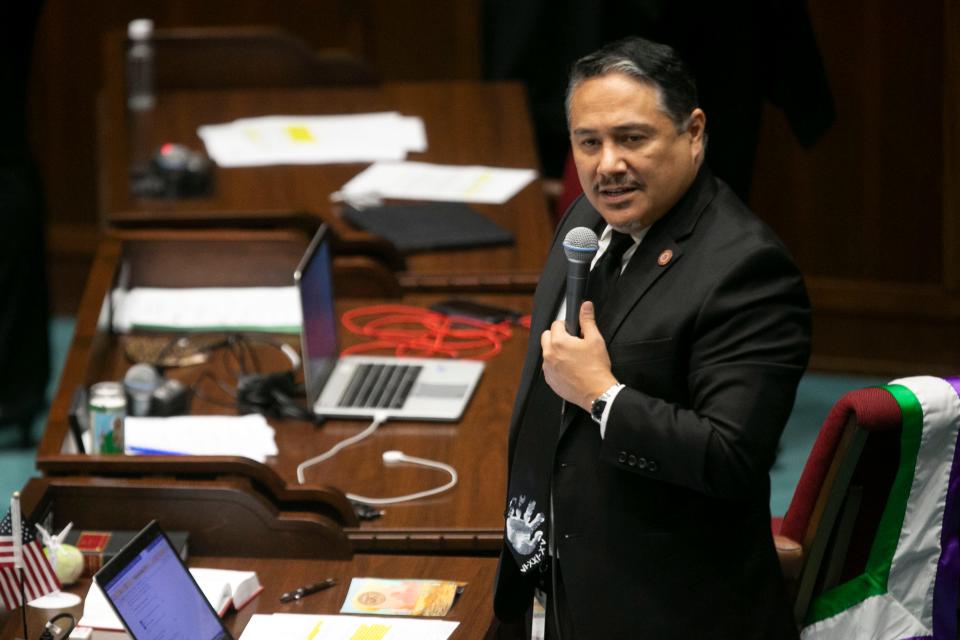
(877, 515)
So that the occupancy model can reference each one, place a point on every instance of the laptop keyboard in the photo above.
(379, 386)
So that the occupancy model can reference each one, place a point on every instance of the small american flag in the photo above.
(39, 577)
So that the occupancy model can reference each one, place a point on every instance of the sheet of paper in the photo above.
(270, 309)
(292, 626)
(249, 436)
(272, 140)
(424, 181)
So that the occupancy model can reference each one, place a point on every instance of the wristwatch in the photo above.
(598, 406)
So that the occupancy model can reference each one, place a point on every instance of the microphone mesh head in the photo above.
(580, 244)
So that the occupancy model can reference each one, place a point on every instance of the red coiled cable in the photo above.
(407, 330)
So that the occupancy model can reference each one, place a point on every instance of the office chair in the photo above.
(249, 57)
(868, 544)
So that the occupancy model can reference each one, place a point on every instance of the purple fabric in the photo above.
(948, 567)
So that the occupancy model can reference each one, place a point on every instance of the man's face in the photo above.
(632, 163)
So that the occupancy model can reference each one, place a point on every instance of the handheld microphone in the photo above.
(140, 381)
(579, 245)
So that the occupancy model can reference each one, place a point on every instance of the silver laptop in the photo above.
(360, 386)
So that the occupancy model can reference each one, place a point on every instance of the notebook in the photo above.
(362, 386)
(425, 226)
(153, 593)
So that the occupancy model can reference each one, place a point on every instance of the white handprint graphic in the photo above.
(522, 529)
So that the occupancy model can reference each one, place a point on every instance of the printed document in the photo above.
(274, 140)
(249, 436)
(424, 181)
(294, 626)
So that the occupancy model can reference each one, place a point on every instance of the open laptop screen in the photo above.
(319, 337)
(155, 596)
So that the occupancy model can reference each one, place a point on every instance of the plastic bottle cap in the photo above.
(140, 29)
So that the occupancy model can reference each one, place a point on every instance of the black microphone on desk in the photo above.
(579, 245)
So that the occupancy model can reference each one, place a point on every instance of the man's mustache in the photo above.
(627, 183)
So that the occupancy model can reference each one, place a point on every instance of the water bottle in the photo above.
(140, 90)
(141, 99)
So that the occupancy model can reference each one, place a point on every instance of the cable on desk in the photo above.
(408, 330)
(378, 419)
(393, 457)
(389, 457)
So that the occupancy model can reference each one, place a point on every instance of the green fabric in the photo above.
(873, 581)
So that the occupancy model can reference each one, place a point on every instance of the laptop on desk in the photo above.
(152, 592)
(362, 386)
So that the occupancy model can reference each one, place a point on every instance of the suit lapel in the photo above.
(660, 250)
(653, 258)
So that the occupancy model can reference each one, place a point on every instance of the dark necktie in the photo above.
(528, 505)
(603, 276)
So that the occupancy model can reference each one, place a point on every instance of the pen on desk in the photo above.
(306, 590)
(146, 451)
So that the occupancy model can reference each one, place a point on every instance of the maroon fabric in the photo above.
(775, 523)
(875, 410)
(571, 188)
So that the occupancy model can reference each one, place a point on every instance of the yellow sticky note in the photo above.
(299, 133)
(371, 632)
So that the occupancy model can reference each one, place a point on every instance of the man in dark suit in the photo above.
(639, 451)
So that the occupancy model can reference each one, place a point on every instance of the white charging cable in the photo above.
(389, 457)
(378, 419)
(396, 457)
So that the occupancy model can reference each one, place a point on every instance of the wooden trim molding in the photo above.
(951, 144)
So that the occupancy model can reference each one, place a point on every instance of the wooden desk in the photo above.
(468, 518)
(466, 123)
(473, 608)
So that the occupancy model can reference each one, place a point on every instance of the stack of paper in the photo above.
(365, 137)
(249, 436)
(293, 626)
(271, 309)
(424, 181)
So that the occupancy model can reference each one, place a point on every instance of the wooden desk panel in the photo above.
(224, 516)
(469, 517)
(466, 123)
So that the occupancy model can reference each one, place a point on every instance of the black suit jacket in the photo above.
(663, 526)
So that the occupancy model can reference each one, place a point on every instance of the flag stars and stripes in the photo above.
(39, 577)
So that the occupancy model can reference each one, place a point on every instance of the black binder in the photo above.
(428, 226)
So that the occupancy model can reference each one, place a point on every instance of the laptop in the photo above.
(361, 386)
(154, 595)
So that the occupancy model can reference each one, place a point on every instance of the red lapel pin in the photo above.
(665, 257)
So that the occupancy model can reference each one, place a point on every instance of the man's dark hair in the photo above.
(651, 63)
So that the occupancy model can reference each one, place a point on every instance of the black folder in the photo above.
(426, 226)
